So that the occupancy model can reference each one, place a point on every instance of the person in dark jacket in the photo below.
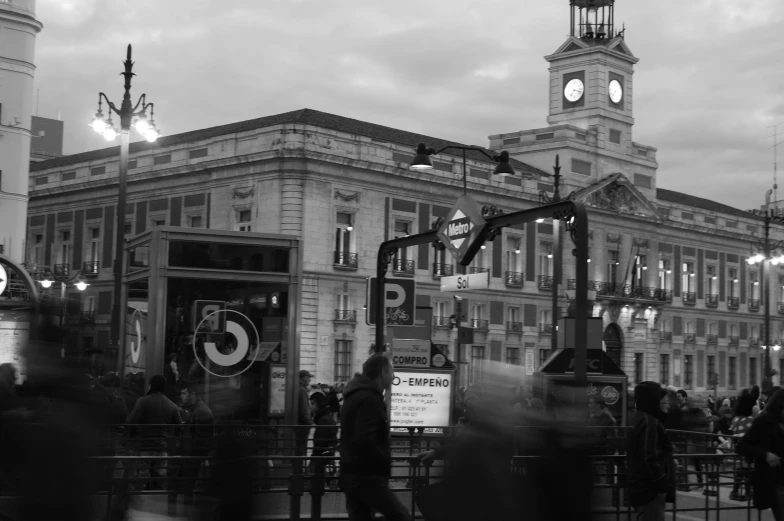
(650, 465)
(200, 424)
(155, 410)
(325, 434)
(764, 443)
(303, 414)
(366, 458)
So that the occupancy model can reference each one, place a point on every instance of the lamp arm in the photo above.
(458, 147)
(142, 101)
(108, 102)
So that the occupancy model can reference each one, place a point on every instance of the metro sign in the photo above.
(463, 230)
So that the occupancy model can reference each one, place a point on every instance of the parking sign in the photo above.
(400, 301)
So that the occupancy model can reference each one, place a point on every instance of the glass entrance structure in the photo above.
(216, 311)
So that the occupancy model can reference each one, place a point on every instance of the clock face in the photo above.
(574, 90)
(616, 91)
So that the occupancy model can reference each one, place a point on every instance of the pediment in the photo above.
(616, 194)
(619, 45)
(572, 44)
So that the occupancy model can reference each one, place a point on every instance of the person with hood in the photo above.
(157, 411)
(324, 434)
(366, 458)
(764, 444)
(650, 466)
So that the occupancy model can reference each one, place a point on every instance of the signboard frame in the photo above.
(409, 301)
(397, 430)
(271, 387)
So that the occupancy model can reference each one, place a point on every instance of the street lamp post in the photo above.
(50, 278)
(129, 115)
(763, 259)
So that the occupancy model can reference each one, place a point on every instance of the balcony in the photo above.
(88, 317)
(442, 270)
(689, 297)
(346, 316)
(514, 327)
(473, 269)
(625, 291)
(734, 341)
(712, 301)
(479, 324)
(90, 267)
(712, 339)
(545, 282)
(689, 338)
(62, 270)
(665, 336)
(403, 267)
(513, 279)
(442, 323)
(346, 261)
(753, 341)
(545, 329)
(733, 303)
(754, 304)
(780, 307)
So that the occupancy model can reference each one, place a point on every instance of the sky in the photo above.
(708, 85)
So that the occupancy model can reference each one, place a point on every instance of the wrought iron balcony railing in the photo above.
(733, 303)
(733, 340)
(629, 291)
(712, 300)
(754, 304)
(712, 339)
(474, 269)
(442, 322)
(90, 267)
(346, 315)
(442, 270)
(513, 279)
(403, 267)
(62, 270)
(689, 338)
(753, 341)
(346, 260)
(480, 324)
(780, 307)
(689, 297)
(545, 329)
(514, 327)
(545, 282)
(665, 336)
(88, 317)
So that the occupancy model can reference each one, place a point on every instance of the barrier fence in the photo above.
(285, 484)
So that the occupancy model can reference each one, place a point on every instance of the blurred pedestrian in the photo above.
(741, 424)
(650, 465)
(303, 419)
(325, 433)
(198, 435)
(366, 457)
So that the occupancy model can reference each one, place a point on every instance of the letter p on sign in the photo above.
(215, 323)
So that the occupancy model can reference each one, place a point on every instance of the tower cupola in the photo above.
(593, 19)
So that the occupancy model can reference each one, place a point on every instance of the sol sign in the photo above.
(463, 230)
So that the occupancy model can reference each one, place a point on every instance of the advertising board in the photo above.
(421, 399)
(410, 353)
(14, 337)
(277, 394)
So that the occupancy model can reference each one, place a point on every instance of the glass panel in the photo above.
(235, 257)
(139, 257)
(137, 348)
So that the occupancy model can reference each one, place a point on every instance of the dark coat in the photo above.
(158, 411)
(651, 468)
(764, 436)
(364, 430)
(325, 434)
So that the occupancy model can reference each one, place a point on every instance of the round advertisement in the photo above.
(610, 395)
(439, 360)
(226, 354)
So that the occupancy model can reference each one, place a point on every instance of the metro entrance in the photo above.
(223, 307)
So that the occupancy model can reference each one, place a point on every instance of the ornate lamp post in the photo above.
(767, 254)
(77, 280)
(129, 114)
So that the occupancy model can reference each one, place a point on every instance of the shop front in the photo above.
(216, 311)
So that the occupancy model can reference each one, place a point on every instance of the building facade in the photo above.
(18, 30)
(678, 301)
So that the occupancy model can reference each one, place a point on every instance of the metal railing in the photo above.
(403, 267)
(346, 260)
(754, 304)
(733, 303)
(545, 282)
(689, 297)
(346, 315)
(514, 327)
(665, 336)
(90, 267)
(629, 291)
(733, 340)
(545, 329)
(754, 341)
(474, 269)
(442, 322)
(689, 338)
(479, 324)
(88, 317)
(513, 279)
(712, 339)
(712, 300)
(442, 270)
(61, 270)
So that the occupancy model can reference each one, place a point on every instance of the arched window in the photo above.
(613, 340)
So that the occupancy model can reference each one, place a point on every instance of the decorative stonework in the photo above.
(617, 198)
(613, 238)
(243, 193)
(640, 243)
(347, 196)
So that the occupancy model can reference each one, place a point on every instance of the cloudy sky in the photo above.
(708, 85)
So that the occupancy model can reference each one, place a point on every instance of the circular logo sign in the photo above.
(228, 351)
(439, 360)
(274, 356)
(3, 279)
(610, 395)
(137, 337)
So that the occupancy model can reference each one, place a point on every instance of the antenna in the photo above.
(775, 161)
(37, 100)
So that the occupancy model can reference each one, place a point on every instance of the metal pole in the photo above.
(557, 267)
(465, 174)
(381, 316)
(766, 289)
(118, 319)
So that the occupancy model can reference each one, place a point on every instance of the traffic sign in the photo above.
(466, 282)
(463, 230)
(400, 302)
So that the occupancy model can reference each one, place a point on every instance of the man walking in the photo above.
(650, 466)
(304, 417)
(366, 458)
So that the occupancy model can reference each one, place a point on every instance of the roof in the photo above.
(298, 117)
(672, 196)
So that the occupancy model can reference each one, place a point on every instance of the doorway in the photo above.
(613, 340)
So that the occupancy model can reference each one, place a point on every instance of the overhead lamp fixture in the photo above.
(483, 247)
(589, 260)
(517, 251)
(540, 221)
(422, 158)
(714, 277)
(504, 167)
(82, 284)
(691, 274)
(735, 280)
(349, 228)
(669, 272)
(644, 268)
